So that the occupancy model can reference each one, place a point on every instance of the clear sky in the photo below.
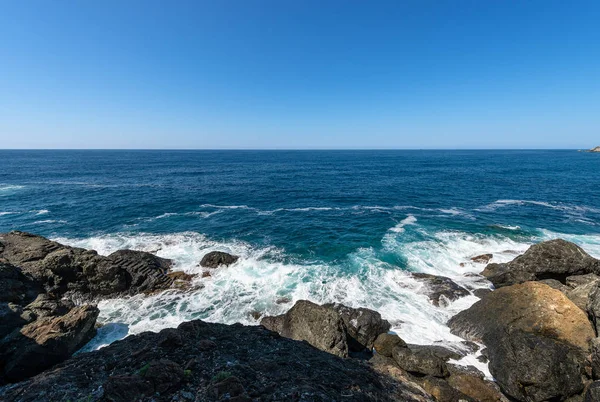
(299, 74)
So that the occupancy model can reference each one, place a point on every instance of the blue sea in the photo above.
(344, 226)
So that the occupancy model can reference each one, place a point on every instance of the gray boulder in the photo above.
(424, 359)
(554, 259)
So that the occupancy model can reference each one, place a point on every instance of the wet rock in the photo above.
(363, 326)
(216, 259)
(385, 344)
(483, 258)
(46, 342)
(481, 292)
(442, 290)
(321, 326)
(145, 272)
(554, 259)
(535, 337)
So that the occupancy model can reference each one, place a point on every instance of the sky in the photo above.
(280, 74)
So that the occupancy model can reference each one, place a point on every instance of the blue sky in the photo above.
(299, 74)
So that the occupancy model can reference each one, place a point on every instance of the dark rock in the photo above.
(442, 391)
(16, 287)
(267, 368)
(535, 337)
(46, 342)
(483, 258)
(593, 392)
(363, 326)
(385, 344)
(321, 326)
(481, 292)
(595, 358)
(79, 273)
(581, 287)
(593, 308)
(163, 374)
(215, 259)
(126, 388)
(46, 306)
(554, 259)
(554, 284)
(442, 290)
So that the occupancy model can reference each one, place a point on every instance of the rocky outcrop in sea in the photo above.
(538, 330)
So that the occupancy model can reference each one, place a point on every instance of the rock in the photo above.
(126, 388)
(593, 308)
(385, 343)
(247, 361)
(554, 284)
(321, 326)
(45, 306)
(471, 382)
(145, 272)
(554, 259)
(481, 292)
(424, 360)
(596, 149)
(215, 259)
(595, 358)
(535, 337)
(363, 326)
(15, 286)
(483, 258)
(593, 392)
(442, 290)
(45, 342)
(581, 288)
(163, 374)
(442, 391)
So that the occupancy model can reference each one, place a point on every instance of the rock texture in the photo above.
(596, 149)
(216, 259)
(554, 259)
(536, 340)
(441, 290)
(80, 273)
(333, 328)
(200, 361)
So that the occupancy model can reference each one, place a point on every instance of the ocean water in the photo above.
(343, 226)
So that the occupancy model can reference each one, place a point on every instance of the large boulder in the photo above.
(321, 326)
(554, 259)
(80, 273)
(46, 342)
(216, 259)
(536, 338)
(440, 289)
(363, 325)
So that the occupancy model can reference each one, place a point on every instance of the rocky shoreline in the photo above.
(538, 331)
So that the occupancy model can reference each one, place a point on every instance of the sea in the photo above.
(327, 226)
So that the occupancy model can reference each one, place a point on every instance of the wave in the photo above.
(556, 206)
(47, 221)
(399, 228)
(9, 189)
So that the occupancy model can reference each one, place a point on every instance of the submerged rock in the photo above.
(216, 259)
(245, 364)
(554, 259)
(442, 290)
(536, 340)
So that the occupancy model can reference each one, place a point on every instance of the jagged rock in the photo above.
(268, 368)
(596, 149)
(442, 391)
(554, 259)
(385, 344)
(216, 259)
(80, 273)
(483, 258)
(363, 326)
(46, 306)
(45, 342)
(16, 287)
(593, 308)
(481, 292)
(581, 288)
(321, 326)
(536, 340)
(163, 374)
(442, 290)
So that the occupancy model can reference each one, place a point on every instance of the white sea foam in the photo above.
(47, 221)
(41, 212)
(399, 228)
(7, 189)
(266, 281)
(8, 213)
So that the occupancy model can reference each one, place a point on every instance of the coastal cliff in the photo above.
(538, 330)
